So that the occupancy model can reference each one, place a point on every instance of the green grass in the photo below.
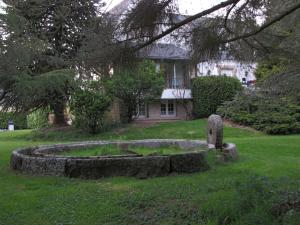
(115, 150)
(94, 151)
(239, 193)
(182, 130)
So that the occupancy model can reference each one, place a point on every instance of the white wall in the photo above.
(230, 68)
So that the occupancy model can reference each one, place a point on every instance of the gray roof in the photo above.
(164, 51)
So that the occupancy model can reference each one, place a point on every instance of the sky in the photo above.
(185, 6)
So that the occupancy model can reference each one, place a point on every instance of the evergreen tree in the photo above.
(39, 51)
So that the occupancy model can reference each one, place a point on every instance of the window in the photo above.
(179, 72)
(171, 108)
(246, 74)
(176, 74)
(141, 110)
(163, 109)
(208, 72)
(167, 108)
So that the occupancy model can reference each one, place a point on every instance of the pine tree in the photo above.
(39, 51)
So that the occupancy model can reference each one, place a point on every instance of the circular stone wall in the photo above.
(42, 160)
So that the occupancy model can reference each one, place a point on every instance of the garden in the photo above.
(262, 187)
(76, 74)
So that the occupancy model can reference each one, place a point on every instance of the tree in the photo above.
(136, 85)
(45, 38)
(269, 67)
(88, 105)
(235, 28)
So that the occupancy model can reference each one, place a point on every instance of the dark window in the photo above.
(163, 108)
(171, 109)
(142, 109)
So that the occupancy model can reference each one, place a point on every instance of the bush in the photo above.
(38, 119)
(136, 85)
(88, 105)
(270, 115)
(19, 120)
(210, 92)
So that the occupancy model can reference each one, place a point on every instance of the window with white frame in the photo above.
(167, 108)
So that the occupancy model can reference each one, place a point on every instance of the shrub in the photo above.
(19, 120)
(88, 105)
(137, 85)
(271, 115)
(210, 92)
(38, 119)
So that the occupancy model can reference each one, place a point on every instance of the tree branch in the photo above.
(186, 21)
(265, 25)
(213, 9)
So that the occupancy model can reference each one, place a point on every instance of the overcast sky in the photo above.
(185, 6)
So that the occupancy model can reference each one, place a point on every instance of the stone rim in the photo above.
(37, 160)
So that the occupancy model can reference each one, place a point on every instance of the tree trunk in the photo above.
(59, 115)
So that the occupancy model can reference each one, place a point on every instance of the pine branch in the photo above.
(213, 9)
(186, 21)
(265, 25)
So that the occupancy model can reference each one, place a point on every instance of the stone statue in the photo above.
(215, 131)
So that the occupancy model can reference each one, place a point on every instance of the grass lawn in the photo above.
(115, 150)
(245, 192)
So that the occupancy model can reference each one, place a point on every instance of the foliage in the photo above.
(37, 57)
(136, 85)
(210, 92)
(19, 120)
(271, 115)
(269, 67)
(88, 106)
(38, 119)
(283, 85)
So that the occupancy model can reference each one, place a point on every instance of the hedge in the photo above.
(19, 120)
(210, 92)
(267, 114)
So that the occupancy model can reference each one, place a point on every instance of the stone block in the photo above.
(188, 162)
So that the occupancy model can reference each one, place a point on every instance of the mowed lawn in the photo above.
(243, 192)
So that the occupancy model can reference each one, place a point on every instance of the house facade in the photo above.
(175, 102)
(244, 72)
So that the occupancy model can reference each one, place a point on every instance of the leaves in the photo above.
(136, 85)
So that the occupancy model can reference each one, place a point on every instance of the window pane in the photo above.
(179, 75)
(163, 109)
(171, 108)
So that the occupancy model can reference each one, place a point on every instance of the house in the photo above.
(244, 72)
(175, 101)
